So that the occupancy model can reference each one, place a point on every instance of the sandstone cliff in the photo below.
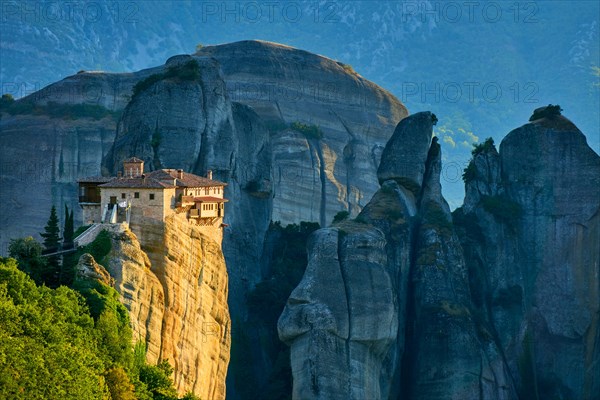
(497, 301)
(174, 285)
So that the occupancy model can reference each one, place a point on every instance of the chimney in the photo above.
(179, 174)
(209, 174)
(119, 174)
(143, 179)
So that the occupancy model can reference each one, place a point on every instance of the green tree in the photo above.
(190, 396)
(68, 229)
(340, 216)
(71, 344)
(51, 232)
(6, 100)
(51, 235)
(47, 347)
(158, 380)
(69, 260)
(119, 384)
(28, 253)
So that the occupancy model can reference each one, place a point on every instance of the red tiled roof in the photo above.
(162, 178)
(209, 199)
(133, 159)
(188, 179)
(142, 183)
(95, 179)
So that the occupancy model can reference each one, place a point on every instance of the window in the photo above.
(151, 196)
(136, 195)
(122, 195)
(206, 191)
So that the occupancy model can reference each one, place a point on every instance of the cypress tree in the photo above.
(69, 260)
(68, 228)
(51, 235)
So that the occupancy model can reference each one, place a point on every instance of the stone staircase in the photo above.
(88, 235)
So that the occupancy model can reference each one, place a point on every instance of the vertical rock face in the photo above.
(175, 287)
(497, 301)
(342, 315)
(449, 355)
(285, 85)
(42, 157)
(404, 155)
(536, 207)
(428, 299)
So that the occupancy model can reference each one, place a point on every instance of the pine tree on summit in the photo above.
(51, 235)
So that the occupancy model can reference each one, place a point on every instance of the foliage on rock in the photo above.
(188, 71)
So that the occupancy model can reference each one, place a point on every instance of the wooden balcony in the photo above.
(93, 198)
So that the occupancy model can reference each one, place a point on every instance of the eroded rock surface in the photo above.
(174, 285)
(497, 301)
(530, 232)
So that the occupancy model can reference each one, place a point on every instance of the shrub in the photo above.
(503, 209)
(470, 172)
(550, 111)
(310, 131)
(340, 216)
(60, 110)
(434, 119)
(347, 67)
(435, 217)
(80, 230)
(6, 100)
(479, 148)
(158, 380)
(188, 71)
(99, 248)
